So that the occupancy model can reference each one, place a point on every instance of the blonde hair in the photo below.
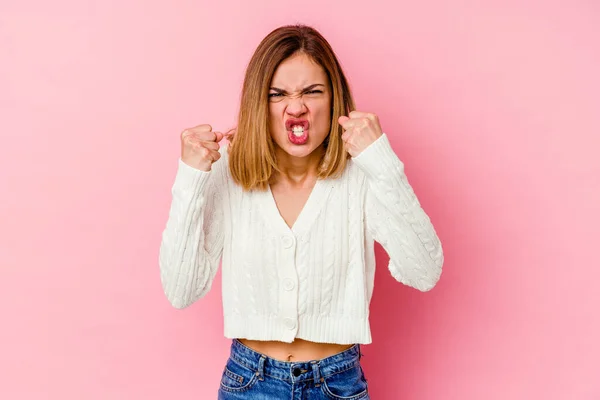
(252, 152)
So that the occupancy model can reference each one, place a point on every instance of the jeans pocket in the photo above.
(349, 384)
(237, 377)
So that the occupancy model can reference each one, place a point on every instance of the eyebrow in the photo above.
(305, 89)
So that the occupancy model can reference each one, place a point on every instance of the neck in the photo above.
(297, 171)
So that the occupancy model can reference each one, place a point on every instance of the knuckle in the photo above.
(207, 136)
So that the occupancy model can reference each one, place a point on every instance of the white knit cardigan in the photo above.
(313, 281)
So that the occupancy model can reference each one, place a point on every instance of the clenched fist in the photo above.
(200, 147)
(361, 129)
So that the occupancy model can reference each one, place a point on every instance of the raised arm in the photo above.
(192, 241)
(396, 219)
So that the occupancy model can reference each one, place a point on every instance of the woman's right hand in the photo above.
(200, 147)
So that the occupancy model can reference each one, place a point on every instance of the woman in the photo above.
(292, 206)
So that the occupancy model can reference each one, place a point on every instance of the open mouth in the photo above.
(296, 124)
(297, 130)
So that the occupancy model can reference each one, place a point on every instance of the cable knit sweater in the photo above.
(313, 281)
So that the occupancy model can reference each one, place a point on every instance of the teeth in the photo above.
(297, 130)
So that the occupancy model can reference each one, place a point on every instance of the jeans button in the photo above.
(296, 372)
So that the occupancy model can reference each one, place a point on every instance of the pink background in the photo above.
(493, 107)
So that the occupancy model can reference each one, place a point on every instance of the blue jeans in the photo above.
(252, 375)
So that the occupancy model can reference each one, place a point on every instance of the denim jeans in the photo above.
(252, 375)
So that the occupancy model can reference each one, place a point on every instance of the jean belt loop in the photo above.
(261, 368)
(316, 373)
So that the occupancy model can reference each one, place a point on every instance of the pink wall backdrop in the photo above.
(492, 105)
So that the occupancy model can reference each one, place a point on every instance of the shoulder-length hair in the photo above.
(252, 152)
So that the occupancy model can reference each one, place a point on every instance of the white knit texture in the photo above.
(313, 281)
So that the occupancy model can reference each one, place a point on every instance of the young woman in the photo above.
(291, 207)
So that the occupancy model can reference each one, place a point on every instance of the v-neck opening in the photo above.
(308, 213)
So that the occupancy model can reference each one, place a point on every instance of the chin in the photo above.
(298, 151)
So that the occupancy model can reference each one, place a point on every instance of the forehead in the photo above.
(297, 72)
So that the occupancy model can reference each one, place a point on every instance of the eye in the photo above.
(314, 91)
(275, 94)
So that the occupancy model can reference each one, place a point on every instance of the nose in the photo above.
(295, 107)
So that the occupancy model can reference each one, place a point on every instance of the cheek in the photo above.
(323, 118)
(321, 113)
(274, 115)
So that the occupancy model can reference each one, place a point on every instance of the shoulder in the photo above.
(352, 176)
(221, 166)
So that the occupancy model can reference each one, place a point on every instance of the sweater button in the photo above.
(287, 242)
(288, 284)
(290, 323)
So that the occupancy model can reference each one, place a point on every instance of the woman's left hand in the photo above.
(360, 130)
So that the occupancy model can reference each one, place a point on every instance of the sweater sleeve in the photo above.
(192, 241)
(396, 219)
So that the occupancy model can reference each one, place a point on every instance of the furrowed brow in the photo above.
(305, 89)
